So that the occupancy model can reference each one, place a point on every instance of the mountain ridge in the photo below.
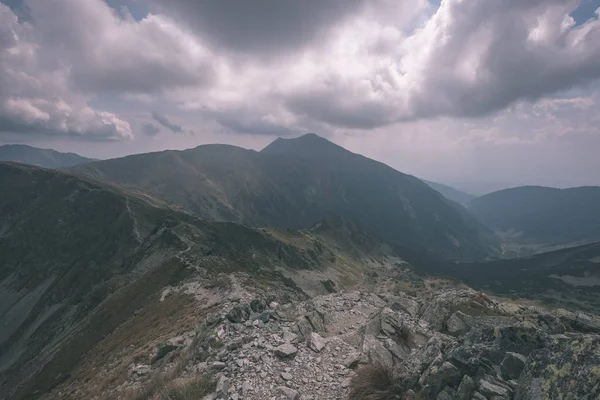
(296, 182)
(538, 214)
(46, 158)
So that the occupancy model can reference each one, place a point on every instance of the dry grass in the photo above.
(374, 382)
(161, 387)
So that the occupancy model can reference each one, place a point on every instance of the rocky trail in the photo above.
(458, 345)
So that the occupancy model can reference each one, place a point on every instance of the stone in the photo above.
(247, 388)
(223, 385)
(490, 389)
(273, 305)
(352, 360)
(513, 365)
(346, 383)
(286, 376)
(466, 388)
(316, 342)
(286, 350)
(258, 305)
(456, 325)
(375, 351)
(218, 365)
(288, 393)
(438, 376)
(446, 394)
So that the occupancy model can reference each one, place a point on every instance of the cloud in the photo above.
(35, 98)
(164, 121)
(108, 53)
(261, 26)
(150, 129)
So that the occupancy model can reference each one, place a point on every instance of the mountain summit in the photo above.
(293, 183)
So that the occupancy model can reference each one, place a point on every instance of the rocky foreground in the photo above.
(459, 345)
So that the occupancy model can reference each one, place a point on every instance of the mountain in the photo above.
(450, 193)
(294, 182)
(89, 268)
(534, 214)
(568, 277)
(41, 157)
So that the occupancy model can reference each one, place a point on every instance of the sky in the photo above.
(473, 93)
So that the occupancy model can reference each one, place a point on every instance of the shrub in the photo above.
(374, 382)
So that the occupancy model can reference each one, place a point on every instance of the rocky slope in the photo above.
(452, 344)
(294, 183)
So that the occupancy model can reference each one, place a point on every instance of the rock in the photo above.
(246, 388)
(218, 365)
(490, 389)
(223, 385)
(286, 376)
(238, 314)
(446, 394)
(273, 305)
(456, 325)
(316, 342)
(478, 396)
(139, 370)
(289, 336)
(375, 352)
(512, 365)
(352, 360)
(162, 351)
(286, 351)
(258, 305)
(288, 393)
(439, 376)
(346, 383)
(567, 367)
(466, 388)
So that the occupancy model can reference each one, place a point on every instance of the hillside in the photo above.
(568, 277)
(86, 265)
(41, 157)
(542, 215)
(450, 193)
(294, 183)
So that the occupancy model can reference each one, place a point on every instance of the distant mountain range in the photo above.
(535, 214)
(41, 157)
(294, 182)
(450, 193)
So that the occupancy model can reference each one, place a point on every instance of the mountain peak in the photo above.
(309, 144)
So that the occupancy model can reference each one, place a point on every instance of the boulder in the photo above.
(466, 388)
(286, 350)
(456, 325)
(512, 365)
(567, 367)
(375, 351)
(288, 393)
(316, 342)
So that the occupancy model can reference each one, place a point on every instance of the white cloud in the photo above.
(35, 97)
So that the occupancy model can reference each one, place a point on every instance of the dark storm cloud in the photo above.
(262, 26)
(164, 121)
(150, 129)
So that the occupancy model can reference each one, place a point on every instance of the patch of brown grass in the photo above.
(161, 387)
(374, 382)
